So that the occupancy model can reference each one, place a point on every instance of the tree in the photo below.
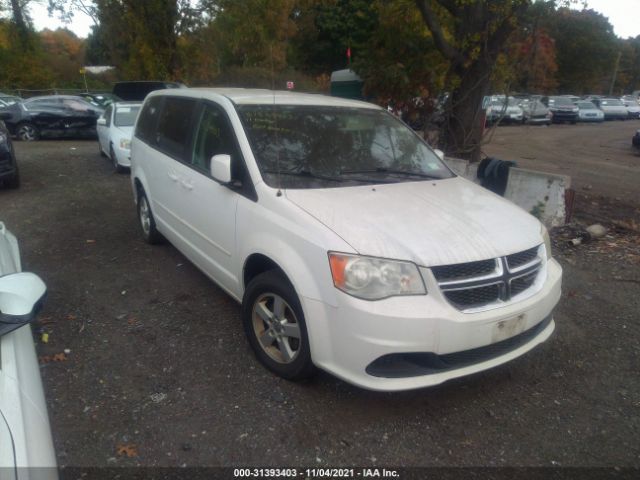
(327, 28)
(470, 35)
(586, 50)
(401, 67)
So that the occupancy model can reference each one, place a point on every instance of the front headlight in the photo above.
(547, 241)
(373, 278)
(125, 144)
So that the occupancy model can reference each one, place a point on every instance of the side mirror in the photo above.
(5, 115)
(439, 153)
(221, 168)
(102, 121)
(21, 296)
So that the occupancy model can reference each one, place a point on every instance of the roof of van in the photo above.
(250, 96)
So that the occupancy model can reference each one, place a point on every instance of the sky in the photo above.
(623, 15)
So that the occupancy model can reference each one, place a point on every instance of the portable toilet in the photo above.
(346, 84)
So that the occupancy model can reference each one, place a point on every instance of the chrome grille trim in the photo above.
(524, 271)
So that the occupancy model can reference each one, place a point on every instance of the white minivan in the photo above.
(349, 243)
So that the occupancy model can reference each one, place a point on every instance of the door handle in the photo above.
(187, 185)
(172, 176)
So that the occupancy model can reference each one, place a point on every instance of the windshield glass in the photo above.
(316, 147)
(612, 103)
(560, 101)
(586, 106)
(126, 116)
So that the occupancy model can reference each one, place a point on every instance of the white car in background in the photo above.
(613, 108)
(26, 447)
(588, 112)
(632, 106)
(115, 128)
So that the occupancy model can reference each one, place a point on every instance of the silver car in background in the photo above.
(613, 108)
(535, 112)
(588, 112)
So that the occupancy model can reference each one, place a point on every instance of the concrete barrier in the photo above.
(464, 168)
(539, 193)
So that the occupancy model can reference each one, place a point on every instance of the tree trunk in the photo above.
(464, 126)
(21, 25)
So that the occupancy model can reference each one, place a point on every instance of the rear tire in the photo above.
(274, 323)
(147, 223)
(117, 167)
(27, 132)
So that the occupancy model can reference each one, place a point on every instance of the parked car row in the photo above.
(537, 109)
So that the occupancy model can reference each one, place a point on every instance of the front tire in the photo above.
(274, 323)
(150, 233)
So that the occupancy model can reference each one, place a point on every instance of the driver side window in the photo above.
(215, 136)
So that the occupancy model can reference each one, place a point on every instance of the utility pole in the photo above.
(615, 73)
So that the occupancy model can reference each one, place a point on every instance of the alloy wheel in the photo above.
(145, 215)
(276, 327)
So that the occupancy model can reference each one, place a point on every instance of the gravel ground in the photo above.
(604, 169)
(159, 372)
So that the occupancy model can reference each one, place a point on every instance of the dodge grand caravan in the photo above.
(349, 243)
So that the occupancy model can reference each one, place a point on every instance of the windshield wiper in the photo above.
(393, 172)
(304, 173)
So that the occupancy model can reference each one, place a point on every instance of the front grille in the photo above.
(489, 283)
(522, 258)
(473, 297)
(520, 284)
(462, 271)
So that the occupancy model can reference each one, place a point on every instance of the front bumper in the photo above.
(123, 156)
(564, 116)
(346, 340)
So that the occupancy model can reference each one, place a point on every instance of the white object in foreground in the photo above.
(26, 447)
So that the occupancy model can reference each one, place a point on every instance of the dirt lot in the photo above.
(604, 170)
(158, 361)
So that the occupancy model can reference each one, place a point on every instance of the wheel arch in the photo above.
(257, 263)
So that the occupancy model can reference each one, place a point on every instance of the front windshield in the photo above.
(586, 106)
(126, 116)
(300, 146)
(561, 101)
(612, 103)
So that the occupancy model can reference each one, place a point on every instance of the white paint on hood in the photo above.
(429, 222)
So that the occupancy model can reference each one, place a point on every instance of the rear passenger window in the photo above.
(174, 125)
(146, 127)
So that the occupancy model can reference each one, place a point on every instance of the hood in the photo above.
(125, 132)
(430, 223)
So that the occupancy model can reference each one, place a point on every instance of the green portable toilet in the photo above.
(346, 84)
